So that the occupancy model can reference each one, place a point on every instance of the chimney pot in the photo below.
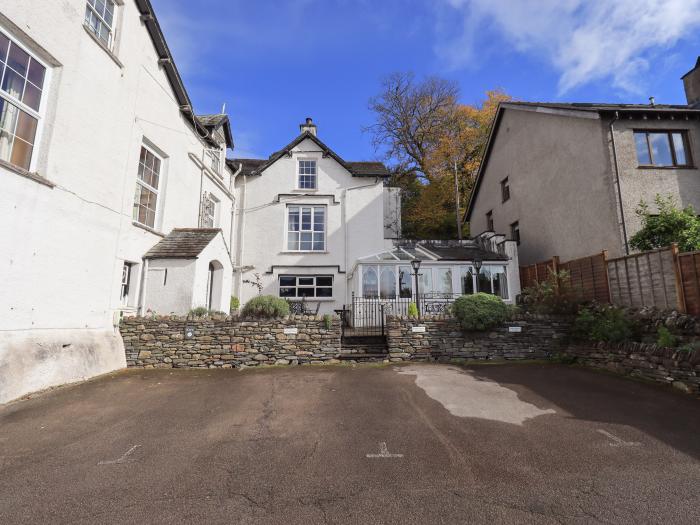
(308, 126)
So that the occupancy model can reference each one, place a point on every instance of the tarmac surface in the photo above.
(396, 444)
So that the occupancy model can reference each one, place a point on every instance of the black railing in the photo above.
(366, 316)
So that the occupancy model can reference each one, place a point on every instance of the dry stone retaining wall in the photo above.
(677, 367)
(441, 337)
(164, 342)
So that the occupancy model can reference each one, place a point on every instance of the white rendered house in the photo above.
(102, 160)
(314, 227)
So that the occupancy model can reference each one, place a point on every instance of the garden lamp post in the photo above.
(477, 266)
(415, 264)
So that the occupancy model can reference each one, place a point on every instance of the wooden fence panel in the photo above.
(644, 279)
(534, 273)
(589, 277)
(689, 281)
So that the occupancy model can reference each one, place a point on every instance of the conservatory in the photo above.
(432, 275)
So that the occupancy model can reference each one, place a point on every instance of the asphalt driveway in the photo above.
(409, 444)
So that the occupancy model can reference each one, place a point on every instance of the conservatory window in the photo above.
(370, 284)
(388, 283)
(405, 282)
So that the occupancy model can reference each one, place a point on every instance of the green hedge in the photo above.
(480, 311)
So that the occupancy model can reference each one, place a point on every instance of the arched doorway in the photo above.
(215, 274)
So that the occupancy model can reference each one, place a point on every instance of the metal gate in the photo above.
(367, 316)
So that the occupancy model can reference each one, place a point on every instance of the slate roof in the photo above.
(248, 165)
(465, 251)
(213, 122)
(368, 169)
(598, 107)
(183, 243)
(357, 169)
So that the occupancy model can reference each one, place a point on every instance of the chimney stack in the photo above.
(691, 82)
(308, 126)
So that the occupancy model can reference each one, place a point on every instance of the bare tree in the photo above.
(411, 117)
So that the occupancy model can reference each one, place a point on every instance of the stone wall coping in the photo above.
(220, 319)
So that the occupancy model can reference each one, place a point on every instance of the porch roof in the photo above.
(183, 243)
(466, 251)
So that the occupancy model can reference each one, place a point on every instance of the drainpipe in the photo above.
(142, 289)
(233, 207)
(617, 182)
(241, 237)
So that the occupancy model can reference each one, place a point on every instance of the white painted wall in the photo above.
(355, 223)
(63, 248)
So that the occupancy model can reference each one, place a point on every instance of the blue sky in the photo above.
(275, 62)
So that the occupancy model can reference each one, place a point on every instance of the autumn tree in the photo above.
(459, 150)
(411, 119)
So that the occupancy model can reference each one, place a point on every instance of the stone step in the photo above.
(364, 357)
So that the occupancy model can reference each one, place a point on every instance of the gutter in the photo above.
(617, 183)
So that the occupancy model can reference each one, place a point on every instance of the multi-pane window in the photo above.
(306, 228)
(213, 159)
(307, 174)
(405, 282)
(126, 282)
(21, 88)
(209, 208)
(99, 18)
(664, 149)
(505, 190)
(489, 221)
(491, 280)
(306, 286)
(515, 232)
(147, 184)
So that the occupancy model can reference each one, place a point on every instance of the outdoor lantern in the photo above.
(415, 263)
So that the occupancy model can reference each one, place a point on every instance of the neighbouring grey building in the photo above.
(566, 179)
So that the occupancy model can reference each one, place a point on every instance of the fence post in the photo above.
(678, 271)
(555, 274)
(607, 276)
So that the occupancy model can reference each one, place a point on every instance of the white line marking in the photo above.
(384, 452)
(617, 442)
(122, 459)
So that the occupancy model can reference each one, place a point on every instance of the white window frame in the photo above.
(112, 27)
(39, 115)
(213, 156)
(210, 203)
(287, 231)
(143, 183)
(315, 286)
(299, 174)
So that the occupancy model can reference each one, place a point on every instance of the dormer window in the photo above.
(307, 174)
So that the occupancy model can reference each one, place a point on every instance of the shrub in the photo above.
(555, 295)
(200, 311)
(235, 303)
(480, 311)
(671, 224)
(327, 322)
(666, 338)
(606, 323)
(412, 310)
(266, 306)
(690, 347)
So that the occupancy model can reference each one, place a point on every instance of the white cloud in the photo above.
(585, 40)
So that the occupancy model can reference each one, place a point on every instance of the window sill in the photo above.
(297, 252)
(305, 190)
(26, 174)
(647, 167)
(103, 47)
(309, 299)
(148, 229)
